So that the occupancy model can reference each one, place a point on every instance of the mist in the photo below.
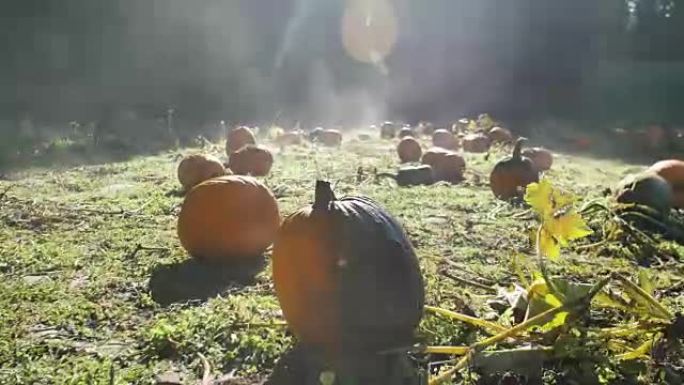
(265, 61)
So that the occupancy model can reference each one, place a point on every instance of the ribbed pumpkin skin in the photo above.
(409, 150)
(347, 277)
(238, 138)
(252, 160)
(227, 218)
(197, 168)
(672, 171)
(511, 175)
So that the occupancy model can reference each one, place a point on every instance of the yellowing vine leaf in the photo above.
(559, 223)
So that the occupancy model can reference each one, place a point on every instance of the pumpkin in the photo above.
(252, 160)
(446, 165)
(409, 150)
(331, 138)
(444, 139)
(228, 219)
(540, 157)
(388, 130)
(289, 138)
(406, 131)
(197, 168)
(475, 143)
(500, 135)
(512, 174)
(347, 277)
(648, 189)
(238, 138)
(672, 171)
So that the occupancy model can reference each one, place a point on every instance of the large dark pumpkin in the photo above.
(511, 175)
(346, 276)
(648, 189)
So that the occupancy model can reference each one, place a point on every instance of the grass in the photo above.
(78, 248)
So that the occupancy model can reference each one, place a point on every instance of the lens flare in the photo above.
(369, 30)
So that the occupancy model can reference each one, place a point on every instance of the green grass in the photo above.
(75, 303)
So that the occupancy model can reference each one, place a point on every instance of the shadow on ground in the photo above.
(192, 280)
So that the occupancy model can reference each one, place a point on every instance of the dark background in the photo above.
(604, 62)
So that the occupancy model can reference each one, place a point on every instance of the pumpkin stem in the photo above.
(323, 196)
(518, 147)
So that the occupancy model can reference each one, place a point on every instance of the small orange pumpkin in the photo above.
(197, 168)
(500, 135)
(475, 143)
(330, 138)
(444, 139)
(446, 165)
(409, 150)
(540, 157)
(252, 160)
(227, 219)
(238, 138)
(672, 171)
(511, 175)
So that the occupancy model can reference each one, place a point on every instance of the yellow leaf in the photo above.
(561, 199)
(567, 227)
(538, 196)
(548, 245)
(552, 300)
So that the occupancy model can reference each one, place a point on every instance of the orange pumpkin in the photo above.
(409, 150)
(252, 160)
(500, 135)
(347, 278)
(511, 175)
(446, 165)
(227, 219)
(476, 143)
(197, 168)
(540, 157)
(672, 171)
(330, 138)
(238, 138)
(444, 139)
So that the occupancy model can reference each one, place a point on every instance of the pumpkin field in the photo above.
(387, 255)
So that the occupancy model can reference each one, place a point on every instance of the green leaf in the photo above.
(645, 282)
